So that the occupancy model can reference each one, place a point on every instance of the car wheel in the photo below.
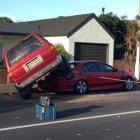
(128, 84)
(81, 87)
(25, 93)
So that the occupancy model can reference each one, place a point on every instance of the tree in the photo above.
(115, 25)
(61, 50)
(130, 38)
(118, 28)
(5, 20)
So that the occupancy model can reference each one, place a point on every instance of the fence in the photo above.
(3, 76)
(124, 65)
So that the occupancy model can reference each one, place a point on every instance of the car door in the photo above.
(109, 76)
(91, 70)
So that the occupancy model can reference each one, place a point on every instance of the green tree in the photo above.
(115, 25)
(118, 28)
(61, 50)
(5, 20)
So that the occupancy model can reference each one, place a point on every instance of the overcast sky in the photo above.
(27, 10)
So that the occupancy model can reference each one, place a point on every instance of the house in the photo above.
(83, 36)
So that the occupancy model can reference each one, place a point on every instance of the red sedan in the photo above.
(90, 75)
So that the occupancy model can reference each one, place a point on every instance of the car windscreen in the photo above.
(23, 49)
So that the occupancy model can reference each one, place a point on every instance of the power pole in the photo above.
(139, 8)
(137, 64)
(139, 14)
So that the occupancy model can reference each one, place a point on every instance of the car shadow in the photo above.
(110, 91)
(76, 111)
(13, 103)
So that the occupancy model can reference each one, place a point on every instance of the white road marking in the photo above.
(68, 120)
(79, 134)
(134, 125)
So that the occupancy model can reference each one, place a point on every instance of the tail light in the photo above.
(10, 74)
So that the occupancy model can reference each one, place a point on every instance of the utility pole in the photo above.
(137, 64)
(139, 15)
(139, 8)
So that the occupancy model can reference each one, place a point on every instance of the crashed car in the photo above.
(90, 75)
(31, 59)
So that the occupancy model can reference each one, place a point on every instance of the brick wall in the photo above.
(124, 65)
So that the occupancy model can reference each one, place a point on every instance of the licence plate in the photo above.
(34, 62)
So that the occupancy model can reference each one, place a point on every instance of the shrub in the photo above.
(61, 50)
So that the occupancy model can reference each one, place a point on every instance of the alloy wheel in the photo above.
(128, 84)
(81, 86)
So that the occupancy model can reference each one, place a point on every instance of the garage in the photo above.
(91, 51)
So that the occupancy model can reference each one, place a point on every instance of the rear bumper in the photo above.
(39, 74)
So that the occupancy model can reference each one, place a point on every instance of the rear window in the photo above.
(23, 49)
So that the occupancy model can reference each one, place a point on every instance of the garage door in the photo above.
(88, 51)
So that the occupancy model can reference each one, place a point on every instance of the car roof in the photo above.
(84, 61)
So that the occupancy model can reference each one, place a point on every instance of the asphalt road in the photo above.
(100, 116)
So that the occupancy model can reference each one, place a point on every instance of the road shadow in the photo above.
(76, 111)
(67, 96)
(13, 103)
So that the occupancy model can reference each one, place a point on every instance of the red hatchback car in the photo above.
(90, 75)
(30, 59)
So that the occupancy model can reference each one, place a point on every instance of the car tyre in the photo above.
(81, 87)
(128, 84)
(25, 93)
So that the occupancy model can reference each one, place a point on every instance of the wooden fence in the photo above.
(3, 76)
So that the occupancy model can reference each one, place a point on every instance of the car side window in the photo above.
(92, 67)
(105, 68)
(84, 68)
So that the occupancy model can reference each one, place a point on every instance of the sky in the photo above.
(28, 10)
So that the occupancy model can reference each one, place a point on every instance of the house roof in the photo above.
(60, 26)
(17, 28)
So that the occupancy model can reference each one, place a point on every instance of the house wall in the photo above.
(60, 39)
(8, 40)
(93, 32)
